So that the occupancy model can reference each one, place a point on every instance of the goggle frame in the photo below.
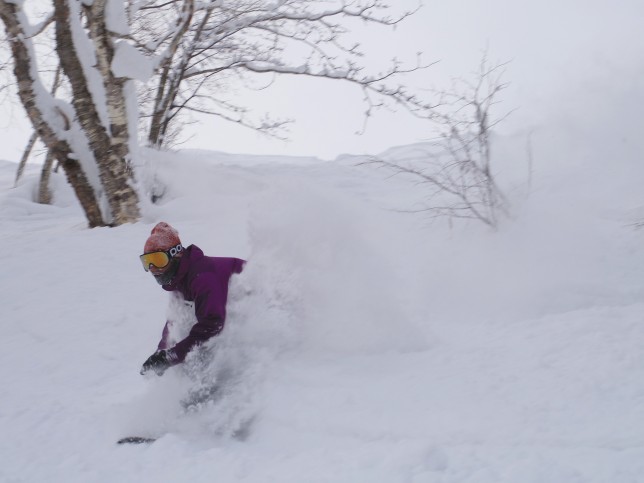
(165, 256)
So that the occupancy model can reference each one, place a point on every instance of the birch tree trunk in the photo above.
(169, 81)
(109, 152)
(92, 135)
(44, 193)
(25, 156)
(34, 99)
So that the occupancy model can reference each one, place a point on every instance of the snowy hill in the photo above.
(362, 345)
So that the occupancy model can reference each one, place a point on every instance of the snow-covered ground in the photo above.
(362, 345)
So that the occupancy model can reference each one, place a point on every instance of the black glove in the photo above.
(158, 362)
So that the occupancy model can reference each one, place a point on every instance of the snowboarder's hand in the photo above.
(157, 362)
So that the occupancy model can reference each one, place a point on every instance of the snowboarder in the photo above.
(199, 279)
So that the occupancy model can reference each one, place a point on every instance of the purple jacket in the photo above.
(204, 281)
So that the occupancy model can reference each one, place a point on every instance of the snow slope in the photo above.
(363, 345)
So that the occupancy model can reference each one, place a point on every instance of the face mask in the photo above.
(166, 277)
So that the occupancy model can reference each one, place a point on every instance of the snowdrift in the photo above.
(362, 344)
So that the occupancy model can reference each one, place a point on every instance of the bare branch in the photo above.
(457, 168)
(236, 40)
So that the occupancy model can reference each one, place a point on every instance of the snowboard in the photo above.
(135, 440)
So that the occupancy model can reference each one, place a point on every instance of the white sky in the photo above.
(576, 60)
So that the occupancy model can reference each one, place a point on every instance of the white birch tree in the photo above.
(194, 50)
(89, 132)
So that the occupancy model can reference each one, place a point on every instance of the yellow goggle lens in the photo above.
(158, 259)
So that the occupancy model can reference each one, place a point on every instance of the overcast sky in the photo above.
(579, 62)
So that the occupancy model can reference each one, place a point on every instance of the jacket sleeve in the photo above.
(163, 343)
(210, 310)
(238, 265)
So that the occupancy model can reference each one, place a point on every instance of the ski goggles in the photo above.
(159, 259)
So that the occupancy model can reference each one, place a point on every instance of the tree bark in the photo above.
(44, 194)
(167, 88)
(114, 86)
(112, 166)
(60, 149)
(25, 156)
